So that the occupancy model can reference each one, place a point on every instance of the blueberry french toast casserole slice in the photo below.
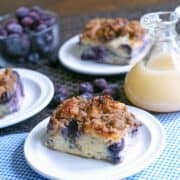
(93, 128)
(112, 41)
(11, 91)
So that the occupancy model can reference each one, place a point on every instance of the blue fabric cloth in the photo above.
(167, 167)
(12, 162)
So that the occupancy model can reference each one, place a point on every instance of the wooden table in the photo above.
(76, 7)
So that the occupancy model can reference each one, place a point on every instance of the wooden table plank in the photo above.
(76, 7)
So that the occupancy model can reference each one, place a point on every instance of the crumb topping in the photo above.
(106, 29)
(101, 116)
(7, 79)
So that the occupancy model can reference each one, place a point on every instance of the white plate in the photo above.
(38, 91)
(69, 56)
(57, 165)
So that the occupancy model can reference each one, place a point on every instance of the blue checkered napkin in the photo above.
(167, 166)
(12, 162)
(14, 167)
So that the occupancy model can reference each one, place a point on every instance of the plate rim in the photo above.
(44, 102)
(134, 168)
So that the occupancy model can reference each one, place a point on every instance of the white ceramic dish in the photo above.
(69, 56)
(38, 90)
(57, 165)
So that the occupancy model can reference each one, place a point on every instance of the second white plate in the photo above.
(38, 92)
(57, 165)
(69, 56)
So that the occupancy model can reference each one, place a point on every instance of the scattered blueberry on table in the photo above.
(87, 90)
(98, 87)
(86, 87)
(100, 84)
(61, 93)
(29, 34)
(87, 95)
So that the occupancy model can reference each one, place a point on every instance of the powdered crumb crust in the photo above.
(106, 29)
(100, 116)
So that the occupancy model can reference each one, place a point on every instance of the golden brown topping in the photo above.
(134, 29)
(106, 29)
(100, 116)
(7, 79)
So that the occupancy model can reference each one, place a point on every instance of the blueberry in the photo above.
(27, 21)
(22, 12)
(88, 54)
(14, 28)
(115, 148)
(116, 160)
(126, 50)
(63, 91)
(2, 31)
(41, 27)
(27, 30)
(35, 16)
(72, 129)
(100, 52)
(100, 84)
(57, 99)
(134, 131)
(15, 46)
(11, 21)
(87, 95)
(45, 17)
(34, 58)
(111, 92)
(25, 42)
(113, 86)
(4, 97)
(1, 26)
(61, 94)
(51, 21)
(38, 43)
(86, 87)
(94, 53)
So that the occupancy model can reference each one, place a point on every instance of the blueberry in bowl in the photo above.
(30, 34)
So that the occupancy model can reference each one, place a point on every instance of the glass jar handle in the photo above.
(177, 12)
(178, 40)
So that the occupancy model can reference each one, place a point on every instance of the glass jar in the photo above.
(154, 82)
